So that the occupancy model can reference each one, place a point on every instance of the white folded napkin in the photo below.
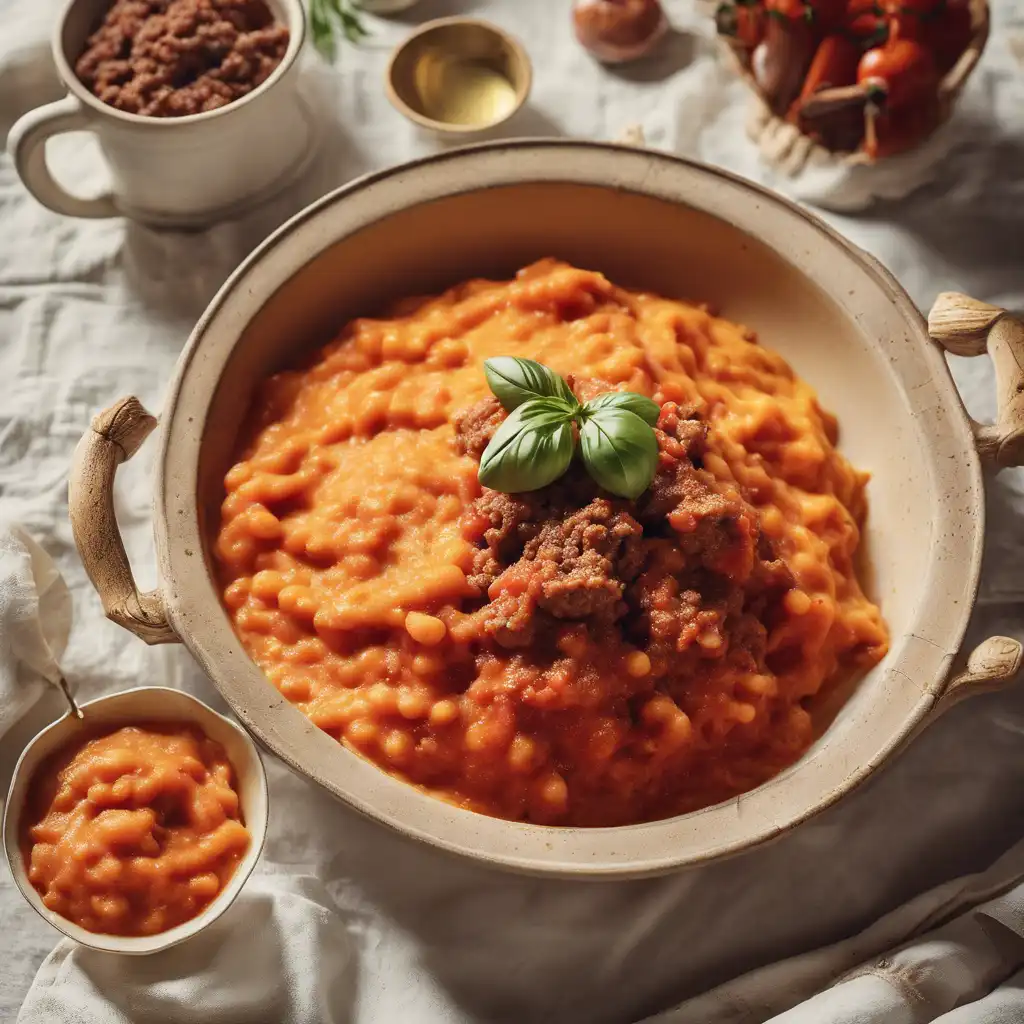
(35, 620)
(280, 955)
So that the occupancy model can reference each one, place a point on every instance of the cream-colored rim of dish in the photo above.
(296, 37)
(915, 670)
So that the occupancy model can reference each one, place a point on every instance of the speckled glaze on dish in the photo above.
(148, 703)
(647, 220)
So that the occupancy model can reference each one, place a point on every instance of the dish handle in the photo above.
(967, 327)
(990, 666)
(113, 437)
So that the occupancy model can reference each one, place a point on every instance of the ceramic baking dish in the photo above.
(648, 220)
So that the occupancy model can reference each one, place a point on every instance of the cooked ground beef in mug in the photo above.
(169, 58)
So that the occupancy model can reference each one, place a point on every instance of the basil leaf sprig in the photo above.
(326, 17)
(534, 446)
(515, 381)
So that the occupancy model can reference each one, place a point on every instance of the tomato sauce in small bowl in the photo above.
(136, 826)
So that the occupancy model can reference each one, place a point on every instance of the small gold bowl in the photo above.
(459, 76)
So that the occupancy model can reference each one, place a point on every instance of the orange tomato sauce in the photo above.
(344, 554)
(135, 830)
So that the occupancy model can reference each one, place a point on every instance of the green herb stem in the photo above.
(326, 17)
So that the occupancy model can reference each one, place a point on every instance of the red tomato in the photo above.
(910, 19)
(897, 130)
(865, 23)
(903, 70)
(948, 34)
(918, 8)
(791, 10)
(827, 15)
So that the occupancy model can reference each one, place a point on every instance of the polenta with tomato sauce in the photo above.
(559, 656)
(134, 830)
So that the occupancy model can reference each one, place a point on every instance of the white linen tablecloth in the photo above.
(92, 311)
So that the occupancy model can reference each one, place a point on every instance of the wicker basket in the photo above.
(783, 146)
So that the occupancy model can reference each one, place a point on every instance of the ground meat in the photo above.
(668, 617)
(748, 642)
(501, 524)
(595, 552)
(681, 433)
(682, 573)
(475, 426)
(718, 529)
(771, 574)
(586, 388)
(169, 58)
(511, 618)
(544, 554)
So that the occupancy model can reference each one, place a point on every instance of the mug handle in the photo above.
(26, 145)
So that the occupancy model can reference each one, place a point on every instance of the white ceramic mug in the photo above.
(171, 171)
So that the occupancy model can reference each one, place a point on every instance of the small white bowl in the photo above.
(145, 704)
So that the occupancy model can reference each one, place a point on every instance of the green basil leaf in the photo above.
(532, 448)
(647, 409)
(619, 451)
(515, 381)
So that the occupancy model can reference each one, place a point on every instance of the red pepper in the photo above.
(839, 127)
(780, 62)
(902, 72)
(742, 21)
(835, 63)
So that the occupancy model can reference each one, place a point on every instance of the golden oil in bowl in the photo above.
(459, 75)
(452, 90)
